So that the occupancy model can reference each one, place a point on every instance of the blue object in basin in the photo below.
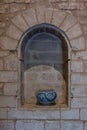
(46, 97)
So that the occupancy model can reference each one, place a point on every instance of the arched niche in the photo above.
(44, 64)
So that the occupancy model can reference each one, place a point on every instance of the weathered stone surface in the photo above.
(79, 102)
(77, 66)
(3, 113)
(8, 43)
(8, 101)
(14, 32)
(74, 32)
(11, 62)
(1, 64)
(40, 10)
(32, 125)
(85, 128)
(10, 89)
(16, 114)
(30, 17)
(71, 125)
(7, 125)
(79, 91)
(1, 88)
(4, 53)
(79, 55)
(78, 44)
(20, 22)
(52, 125)
(70, 114)
(79, 79)
(83, 114)
(49, 15)
(58, 17)
(68, 22)
(6, 76)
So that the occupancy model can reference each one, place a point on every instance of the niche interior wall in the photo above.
(16, 112)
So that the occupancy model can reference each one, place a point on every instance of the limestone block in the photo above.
(74, 32)
(20, 22)
(8, 101)
(58, 17)
(70, 114)
(85, 66)
(49, 15)
(79, 79)
(41, 10)
(77, 66)
(30, 17)
(78, 43)
(1, 64)
(1, 88)
(14, 32)
(52, 125)
(3, 113)
(68, 22)
(83, 114)
(10, 89)
(6, 125)
(8, 43)
(30, 125)
(4, 53)
(79, 55)
(33, 115)
(8, 76)
(79, 90)
(71, 125)
(79, 102)
(85, 128)
(10, 62)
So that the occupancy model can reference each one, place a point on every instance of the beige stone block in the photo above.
(6, 125)
(10, 89)
(83, 114)
(4, 53)
(68, 22)
(11, 62)
(30, 17)
(78, 44)
(32, 125)
(85, 128)
(20, 22)
(72, 125)
(7, 43)
(8, 76)
(14, 32)
(41, 13)
(8, 101)
(58, 17)
(3, 113)
(74, 32)
(70, 114)
(79, 91)
(52, 125)
(79, 102)
(1, 88)
(33, 115)
(79, 79)
(85, 66)
(1, 64)
(79, 55)
(77, 66)
(49, 15)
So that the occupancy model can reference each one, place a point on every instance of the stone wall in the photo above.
(16, 16)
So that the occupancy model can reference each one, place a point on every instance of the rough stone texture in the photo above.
(52, 125)
(8, 76)
(7, 125)
(77, 66)
(3, 113)
(72, 125)
(83, 114)
(30, 125)
(70, 114)
(44, 115)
